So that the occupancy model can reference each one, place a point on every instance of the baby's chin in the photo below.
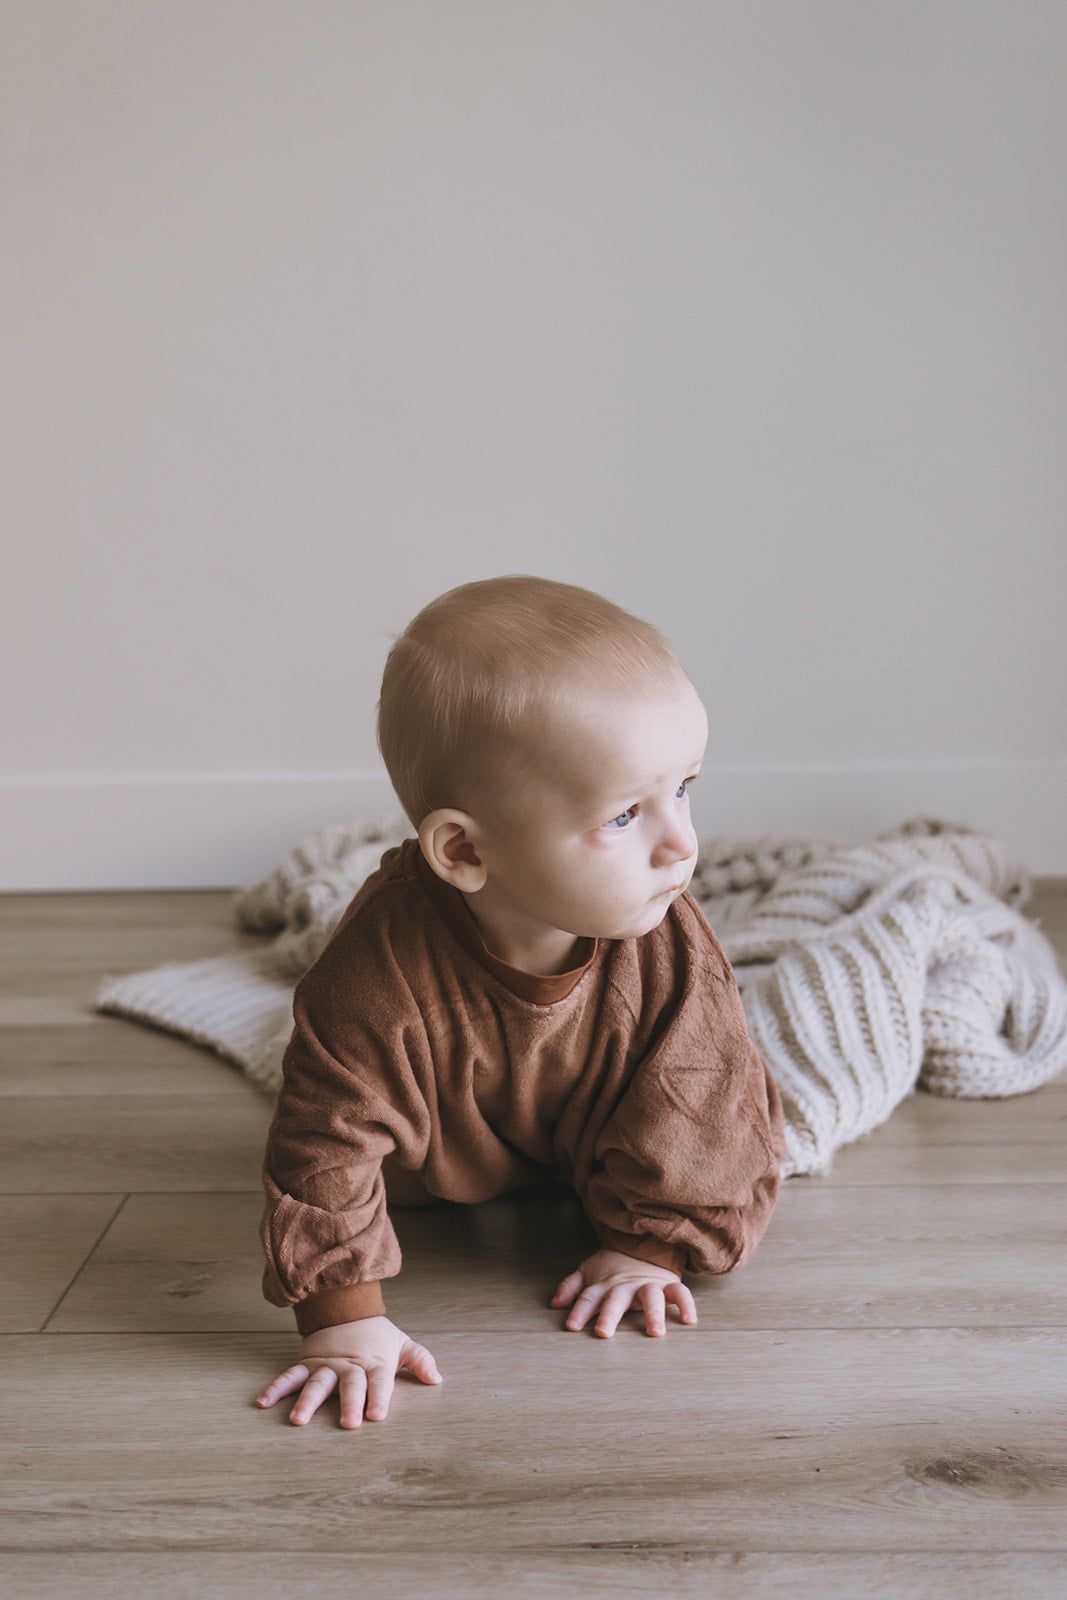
(651, 917)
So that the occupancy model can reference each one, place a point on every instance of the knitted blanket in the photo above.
(865, 970)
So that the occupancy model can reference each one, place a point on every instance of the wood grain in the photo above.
(100, 1055)
(595, 1574)
(831, 1258)
(899, 1439)
(100, 1143)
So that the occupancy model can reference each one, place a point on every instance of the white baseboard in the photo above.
(194, 832)
(219, 831)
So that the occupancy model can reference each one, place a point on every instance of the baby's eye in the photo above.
(623, 820)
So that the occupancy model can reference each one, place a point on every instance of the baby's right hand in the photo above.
(362, 1358)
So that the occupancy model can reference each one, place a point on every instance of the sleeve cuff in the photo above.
(329, 1307)
(644, 1247)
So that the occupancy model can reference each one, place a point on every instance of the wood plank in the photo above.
(61, 922)
(831, 1258)
(67, 943)
(899, 1440)
(46, 1240)
(53, 1009)
(31, 909)
(175, 1263)
(878, 1160)
(1036, 1118)
(931, 1139)
(100, 1143)
(904, 1257)
(533, 1575)
(193, 1262)
(107, 1055)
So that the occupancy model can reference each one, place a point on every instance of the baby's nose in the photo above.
(678, 844)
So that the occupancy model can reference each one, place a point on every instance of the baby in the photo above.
(524, 989)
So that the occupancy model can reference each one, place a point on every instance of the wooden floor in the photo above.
(873, 1407)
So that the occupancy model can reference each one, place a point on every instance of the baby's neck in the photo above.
(542, 951)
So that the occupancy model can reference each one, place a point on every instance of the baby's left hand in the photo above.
(612, 1282)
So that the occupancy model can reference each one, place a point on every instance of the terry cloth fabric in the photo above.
(632, 1076)
(864, 970)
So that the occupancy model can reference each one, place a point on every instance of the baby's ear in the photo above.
(447, 840)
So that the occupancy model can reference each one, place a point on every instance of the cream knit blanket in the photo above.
(864, 969)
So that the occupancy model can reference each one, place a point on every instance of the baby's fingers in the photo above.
(568, 1288)
(379, 1392)
(321, 1383)
(417, 1359)
(616, 1303)
(678, 1295)
(289, 1380)
(653, 1300)
(352, 1393)
(585, 1305)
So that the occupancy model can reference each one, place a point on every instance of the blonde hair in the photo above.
(482, 667)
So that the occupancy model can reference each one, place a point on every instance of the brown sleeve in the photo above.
(645, 1249)
(686, 1167)
(330, 1307)
(348, 1100)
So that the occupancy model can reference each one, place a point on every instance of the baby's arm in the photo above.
(609, 1282)
(361, 1360)
(685, 1170)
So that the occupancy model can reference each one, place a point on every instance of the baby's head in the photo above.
(541, 739)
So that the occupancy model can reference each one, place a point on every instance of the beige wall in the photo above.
(750, 315)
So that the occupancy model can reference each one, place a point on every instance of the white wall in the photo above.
(748, 313)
